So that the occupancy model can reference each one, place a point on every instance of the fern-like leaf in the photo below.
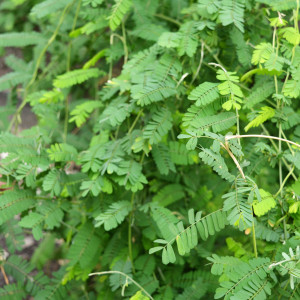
(52, 182)
(261, 53)
(246, 281)
(169, 194)
(75, 77)
(232, 12)
(267, 203)
(47, 7)
(162, 159)
(187, 238)
(12, 79)
(20, 39)
(84, 246)
(119, 9)
(12, 291)
(180, 155)
(114, 216)
(204, 94)
(265, 114)
(237, 206)
(14, 202)
(62, 152)
(216, 123)
(217, 162)
(153, 92)
(159, 126)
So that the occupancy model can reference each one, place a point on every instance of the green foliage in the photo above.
(75, 77)
(119, 9)
(164, 156)
(114, 215)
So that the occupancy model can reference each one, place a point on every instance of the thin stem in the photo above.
(4, 275)
(230, 137)
(127, 277)
(135, 121)
(200, 64)
(253, 236)
(130, 232)
(218, 65)
(161, 16)
(276, 149)
(211, 53)
(237, 124)
(291, 149)
(285, 287)
(16, 117)
(68, 69)
(226, 147)
(73, 27)
(124, 43)
(296, 13)
(284, 182)
(66, 118)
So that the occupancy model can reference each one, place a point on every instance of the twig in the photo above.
(127, 277)
(161, 16)
(35, 73)
(226, 147)
(200, 64)
(4, 275)
(230, 137)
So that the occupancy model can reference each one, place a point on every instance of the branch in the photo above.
(230, 137)
(127, 277)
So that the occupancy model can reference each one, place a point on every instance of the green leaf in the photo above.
(159, 126)
(265, 114)
(171, 254)
(119, 9)
(155, 249)
(113, 216)
(261, 53)
(75, 77)
(232, 12)
(14, 202)
(47, 7)
(267, 203)
(180, 246)
(204, 94)
(20, 39)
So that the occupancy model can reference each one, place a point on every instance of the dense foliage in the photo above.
(160, 123)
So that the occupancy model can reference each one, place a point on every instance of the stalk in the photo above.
(68, 69)
(16, 116)
(127, 277)
(130, 232)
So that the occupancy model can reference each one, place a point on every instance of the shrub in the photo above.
(160, 124)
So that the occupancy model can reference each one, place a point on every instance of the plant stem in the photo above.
(123, 274)
(70, 43)
(68, 69)
(123, 40)
(276, 149)
(226, 147)
(284, 182)
(124, 43)
(161, 16)
(4, 275)
(15, 118)
(135, 121)
(254, 238)
(130, 232)
(200, 64)
(230, 137)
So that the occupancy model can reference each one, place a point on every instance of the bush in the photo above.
(165, 159)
